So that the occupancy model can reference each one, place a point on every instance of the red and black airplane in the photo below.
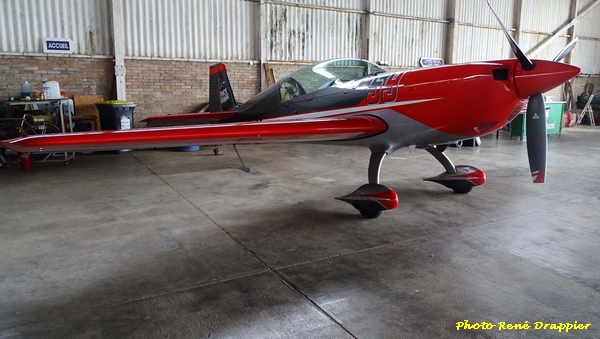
(355, 102)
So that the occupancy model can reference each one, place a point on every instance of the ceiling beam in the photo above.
(535, 50)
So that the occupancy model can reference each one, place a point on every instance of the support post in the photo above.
(517, 13)
(450, 52)
(264, 31)
(366, 40)
(119, 47)
(571, 30)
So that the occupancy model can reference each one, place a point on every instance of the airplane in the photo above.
(426, 108)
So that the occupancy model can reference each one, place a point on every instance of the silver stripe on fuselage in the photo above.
(344, 111)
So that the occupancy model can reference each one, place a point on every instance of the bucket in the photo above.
(186, 149)
(51, 90)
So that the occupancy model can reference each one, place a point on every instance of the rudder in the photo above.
(221, 95)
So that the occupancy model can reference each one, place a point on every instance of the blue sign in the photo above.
(54, 45)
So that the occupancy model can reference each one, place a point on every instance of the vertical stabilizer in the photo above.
(221, 95)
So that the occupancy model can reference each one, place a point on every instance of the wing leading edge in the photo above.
(325, 129)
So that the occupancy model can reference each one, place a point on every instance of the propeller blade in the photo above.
(536, 137)
(526, 64)
(568, 48)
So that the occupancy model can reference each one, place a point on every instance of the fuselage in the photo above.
(421, 106)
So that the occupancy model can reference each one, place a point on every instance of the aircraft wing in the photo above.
(323, 129)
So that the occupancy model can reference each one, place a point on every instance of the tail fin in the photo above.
(221, 95)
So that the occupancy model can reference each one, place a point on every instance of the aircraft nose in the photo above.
(545, 76)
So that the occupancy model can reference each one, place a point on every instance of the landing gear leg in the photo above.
(373, 198)
(461, 179)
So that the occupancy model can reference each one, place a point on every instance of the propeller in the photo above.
(538, 78)
(535, 121)
(568, 48)
(523, 59)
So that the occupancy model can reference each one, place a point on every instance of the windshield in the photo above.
(325, 74)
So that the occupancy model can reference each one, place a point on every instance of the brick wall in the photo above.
(74, 75)
(165, 86)
(156, 86)
(282, 70)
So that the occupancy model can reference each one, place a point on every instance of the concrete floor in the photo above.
(162, 244)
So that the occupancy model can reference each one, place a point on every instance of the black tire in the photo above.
(462, 190)
(371, 214)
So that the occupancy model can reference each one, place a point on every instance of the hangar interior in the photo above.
(156, 243)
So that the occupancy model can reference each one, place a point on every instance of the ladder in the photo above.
(587, 109)
(569, 97)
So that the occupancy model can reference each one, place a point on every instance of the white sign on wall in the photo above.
(58, 45)
(431, 62)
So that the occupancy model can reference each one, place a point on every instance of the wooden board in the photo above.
(85, 105)
(269, 74)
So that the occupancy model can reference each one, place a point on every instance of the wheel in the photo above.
(45, 128)
(371, 214)
(462, 190)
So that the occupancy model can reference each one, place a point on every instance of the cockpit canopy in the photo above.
(325, 74)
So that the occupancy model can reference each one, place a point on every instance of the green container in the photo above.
(554, 119)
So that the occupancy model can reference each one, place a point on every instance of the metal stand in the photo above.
(587, 109)
(3, 162)
(244, 168)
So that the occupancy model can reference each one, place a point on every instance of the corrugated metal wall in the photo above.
(399, 32)
(192, 29)
(479, 35)
(24, 23)
(357, 5)
(304, 33)
(535, 31)
(403, 31)
(587, 55)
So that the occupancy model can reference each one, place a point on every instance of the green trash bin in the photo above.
(116, 115)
